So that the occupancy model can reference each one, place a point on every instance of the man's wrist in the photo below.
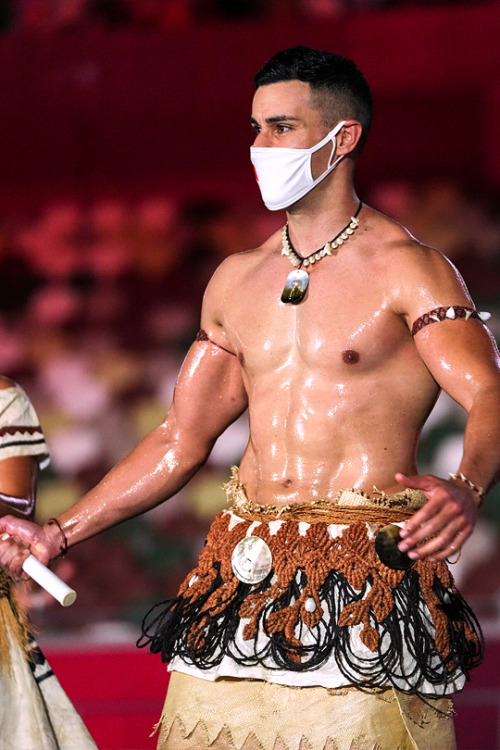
(56, 536)
(478, 491)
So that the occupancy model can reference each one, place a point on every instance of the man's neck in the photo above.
(315, 222)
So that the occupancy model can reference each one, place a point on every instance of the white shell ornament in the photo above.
(252, 560)
(295, 287)
(310, 605)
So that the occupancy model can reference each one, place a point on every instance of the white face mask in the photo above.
(284, 174)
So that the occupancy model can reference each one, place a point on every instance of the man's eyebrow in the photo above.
(274, 119)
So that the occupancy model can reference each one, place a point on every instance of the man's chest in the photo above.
(333, 327)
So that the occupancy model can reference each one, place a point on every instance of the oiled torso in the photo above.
(336, 389)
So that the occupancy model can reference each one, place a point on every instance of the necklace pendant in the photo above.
(298, 280)
(295, 287)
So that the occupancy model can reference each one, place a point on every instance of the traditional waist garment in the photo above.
(328, 612)
(291, 634)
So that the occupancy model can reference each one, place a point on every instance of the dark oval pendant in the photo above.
(386, 547)
(295, 287)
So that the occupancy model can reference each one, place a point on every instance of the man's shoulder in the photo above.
(239, 264)
(399, 249)
(414, 275)
(223, 290)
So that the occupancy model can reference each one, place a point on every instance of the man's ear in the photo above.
(348, 138)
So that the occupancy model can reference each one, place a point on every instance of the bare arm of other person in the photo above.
(18, 486)
(463, 359)
(209, 396)
(18, 473)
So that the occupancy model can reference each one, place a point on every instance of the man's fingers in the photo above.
(439, 529)
(12, 556)
(430, 521)
(440, 536)
(407, 481)
(22, 531)
(425, 482)
(439, 548)
(419, 520)
(435, 540)
(439, 510)
(452, 548)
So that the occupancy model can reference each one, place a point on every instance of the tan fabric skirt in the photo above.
(234, 714)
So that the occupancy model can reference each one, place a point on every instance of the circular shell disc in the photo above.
(252, 560)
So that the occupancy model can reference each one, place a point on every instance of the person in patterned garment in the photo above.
(35, 712)
(308, 623)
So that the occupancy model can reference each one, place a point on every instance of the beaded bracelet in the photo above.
(64, 544)
(478, 490)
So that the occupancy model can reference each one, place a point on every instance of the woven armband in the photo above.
(454, 312)
(203, 336)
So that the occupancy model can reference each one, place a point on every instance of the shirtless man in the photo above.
(338, 390)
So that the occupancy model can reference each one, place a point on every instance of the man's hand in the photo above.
(440, 528)
(20, 538)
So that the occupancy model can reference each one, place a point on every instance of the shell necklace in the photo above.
(298, 279)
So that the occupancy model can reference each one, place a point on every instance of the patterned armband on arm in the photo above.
(203, 336)
(448, 313)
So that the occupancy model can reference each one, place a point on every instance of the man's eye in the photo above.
(282, 128)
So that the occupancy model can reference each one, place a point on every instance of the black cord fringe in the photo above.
(408, 631)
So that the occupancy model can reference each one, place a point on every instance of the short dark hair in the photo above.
(338, 88)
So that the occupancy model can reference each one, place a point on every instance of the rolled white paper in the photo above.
(49, 581)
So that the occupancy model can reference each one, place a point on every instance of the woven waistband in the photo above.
(348, 506)
(325, 513)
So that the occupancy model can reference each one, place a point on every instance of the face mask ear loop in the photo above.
(331, 164)
(332, 155)
(337, 161)
(334, 147)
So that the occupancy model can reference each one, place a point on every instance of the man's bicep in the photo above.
(218, 301)
(210, 393)
(426, 284)
(447, 330)
(462, 357)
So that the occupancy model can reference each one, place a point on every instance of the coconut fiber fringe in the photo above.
(414, 623)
